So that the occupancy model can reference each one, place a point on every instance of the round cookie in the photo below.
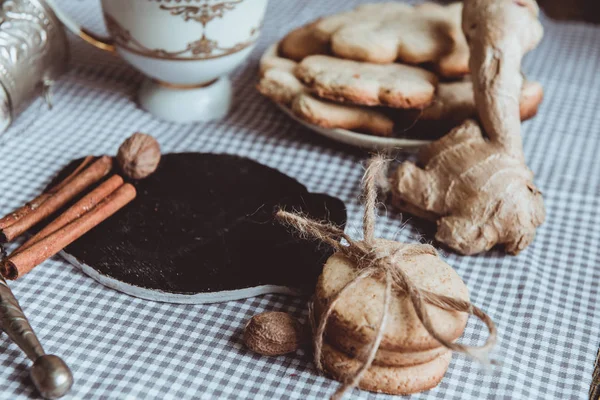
(359, 310)
(302, 42)
(383, 357)
(390, 380)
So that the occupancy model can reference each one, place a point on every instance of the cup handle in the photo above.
(102, 42)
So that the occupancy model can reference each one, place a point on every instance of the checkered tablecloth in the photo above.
(545, 301)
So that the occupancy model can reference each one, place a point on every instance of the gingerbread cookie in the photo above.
(346, 81)
(454, 101)
(386, 32)
(279, 84)
(330, 115)
(271, 60)
(390, 380)
(532, 95)
(303, 42)
(326, 27)
(357, 313)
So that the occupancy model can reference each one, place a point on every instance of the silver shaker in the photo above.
(33, 54)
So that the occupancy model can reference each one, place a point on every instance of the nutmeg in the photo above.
(139, 155)
(274, 333)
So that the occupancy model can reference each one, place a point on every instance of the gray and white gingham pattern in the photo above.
(545, 301)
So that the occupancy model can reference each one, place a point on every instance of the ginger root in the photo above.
(479, 194)
(499, 33)
(480, 191)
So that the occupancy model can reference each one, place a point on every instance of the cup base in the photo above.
(185, 105)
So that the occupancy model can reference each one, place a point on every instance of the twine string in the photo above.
(370, 198)
(354, 379)
(370, 261)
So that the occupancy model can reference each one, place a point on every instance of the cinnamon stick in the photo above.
(75, 211)
(55, 200)
(24, 261)
(35, 203)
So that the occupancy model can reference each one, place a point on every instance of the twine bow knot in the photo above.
(371, 261)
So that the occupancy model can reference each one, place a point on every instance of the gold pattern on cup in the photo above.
(201, 49)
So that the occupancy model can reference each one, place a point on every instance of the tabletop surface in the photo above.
(544, 300)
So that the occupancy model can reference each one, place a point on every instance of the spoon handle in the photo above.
(15, 324)
(49, 373)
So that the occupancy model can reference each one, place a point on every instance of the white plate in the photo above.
(359, 139)
(356, 139)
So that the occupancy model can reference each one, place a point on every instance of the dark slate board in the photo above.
(201, 230)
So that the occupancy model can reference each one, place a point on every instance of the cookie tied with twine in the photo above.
(385, 264)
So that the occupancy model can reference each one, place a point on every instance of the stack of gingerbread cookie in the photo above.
(409, 359)
(379, 69)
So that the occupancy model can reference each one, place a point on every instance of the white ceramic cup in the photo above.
(186, 49)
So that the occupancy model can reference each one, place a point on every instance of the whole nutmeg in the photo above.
(274, 333)
(139, 155)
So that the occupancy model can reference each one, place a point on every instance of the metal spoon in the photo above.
(50, 375)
